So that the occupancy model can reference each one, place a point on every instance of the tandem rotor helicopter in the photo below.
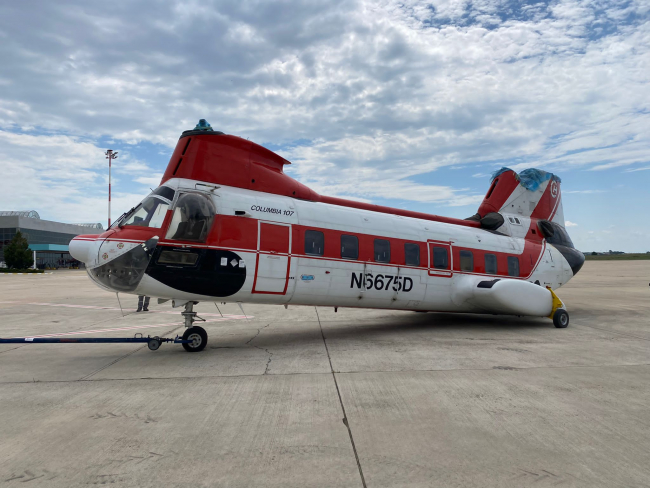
(227, 224)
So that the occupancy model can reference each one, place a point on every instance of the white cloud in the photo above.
(568, 223)
(150, 181)
(380, 95)
(646, 168)
(63, 178)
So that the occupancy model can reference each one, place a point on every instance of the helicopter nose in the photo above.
(81, 247)
(121, 265)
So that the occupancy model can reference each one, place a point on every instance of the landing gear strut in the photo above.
(197, 336)
(559, 315)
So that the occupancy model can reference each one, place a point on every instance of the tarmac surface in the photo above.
(308, 397)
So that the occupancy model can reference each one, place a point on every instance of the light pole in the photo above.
(110, 155)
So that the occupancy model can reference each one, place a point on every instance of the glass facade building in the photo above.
(48, 239)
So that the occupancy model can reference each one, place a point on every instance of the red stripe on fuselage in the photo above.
(240, 234)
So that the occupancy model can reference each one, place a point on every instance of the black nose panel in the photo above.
(574, 257)
(211, 272)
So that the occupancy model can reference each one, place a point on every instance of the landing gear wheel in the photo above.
(199, 338)
(154, 344)
(561, 318)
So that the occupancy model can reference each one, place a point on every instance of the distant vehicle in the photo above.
(227, 224)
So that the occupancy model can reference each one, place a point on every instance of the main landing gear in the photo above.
(196, 336)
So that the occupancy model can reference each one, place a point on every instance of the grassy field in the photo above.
(624, 257)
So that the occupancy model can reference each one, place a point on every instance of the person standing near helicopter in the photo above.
(143, 303)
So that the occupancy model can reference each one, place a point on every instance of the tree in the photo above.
(17, 253)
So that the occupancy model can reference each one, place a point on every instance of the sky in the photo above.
(402, 103)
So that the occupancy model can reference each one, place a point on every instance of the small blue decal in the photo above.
(307, 277)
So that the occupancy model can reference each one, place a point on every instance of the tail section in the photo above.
(528, 205)
(533, 194)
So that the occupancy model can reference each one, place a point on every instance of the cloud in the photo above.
(150, 181)
(387, 95)
(568, 223)
(63, 178)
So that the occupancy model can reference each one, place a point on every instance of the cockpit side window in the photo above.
(192, 218)
(150, 213)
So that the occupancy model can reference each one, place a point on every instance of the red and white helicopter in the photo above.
(226, 224)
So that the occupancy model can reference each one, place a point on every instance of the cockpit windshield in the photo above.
(150, 213)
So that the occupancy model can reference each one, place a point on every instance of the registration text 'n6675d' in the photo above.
(381, 282)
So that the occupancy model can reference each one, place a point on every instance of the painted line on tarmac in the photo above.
(95, 307)
(25, 274)
(113, 329)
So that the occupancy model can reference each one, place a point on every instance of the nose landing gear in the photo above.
(197, 336)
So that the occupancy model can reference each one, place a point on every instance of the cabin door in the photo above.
(273, 258)
(441, 262)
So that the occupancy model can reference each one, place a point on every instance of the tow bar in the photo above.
(152, 342)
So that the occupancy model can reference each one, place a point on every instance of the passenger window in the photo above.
(314, 242)
(513, 266)
(349, 247)
(382, 251)
(490, 264)
(440, 258)
(466, 261)
(411, 254)
(192, 218)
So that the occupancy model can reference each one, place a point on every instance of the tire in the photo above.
(561, 319)
(154, 344)
(199, 337)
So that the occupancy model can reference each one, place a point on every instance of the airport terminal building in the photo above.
(49, 240)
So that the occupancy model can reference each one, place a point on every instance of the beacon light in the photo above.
(203, 125)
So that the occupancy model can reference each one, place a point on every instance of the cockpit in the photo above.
(151, 212)
(193, 214)
(122, 266)
(192, 218)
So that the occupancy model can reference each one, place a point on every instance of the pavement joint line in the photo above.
(338, 392)
(12, 349)
(212, 377)
(84, 378)
(166, 378)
